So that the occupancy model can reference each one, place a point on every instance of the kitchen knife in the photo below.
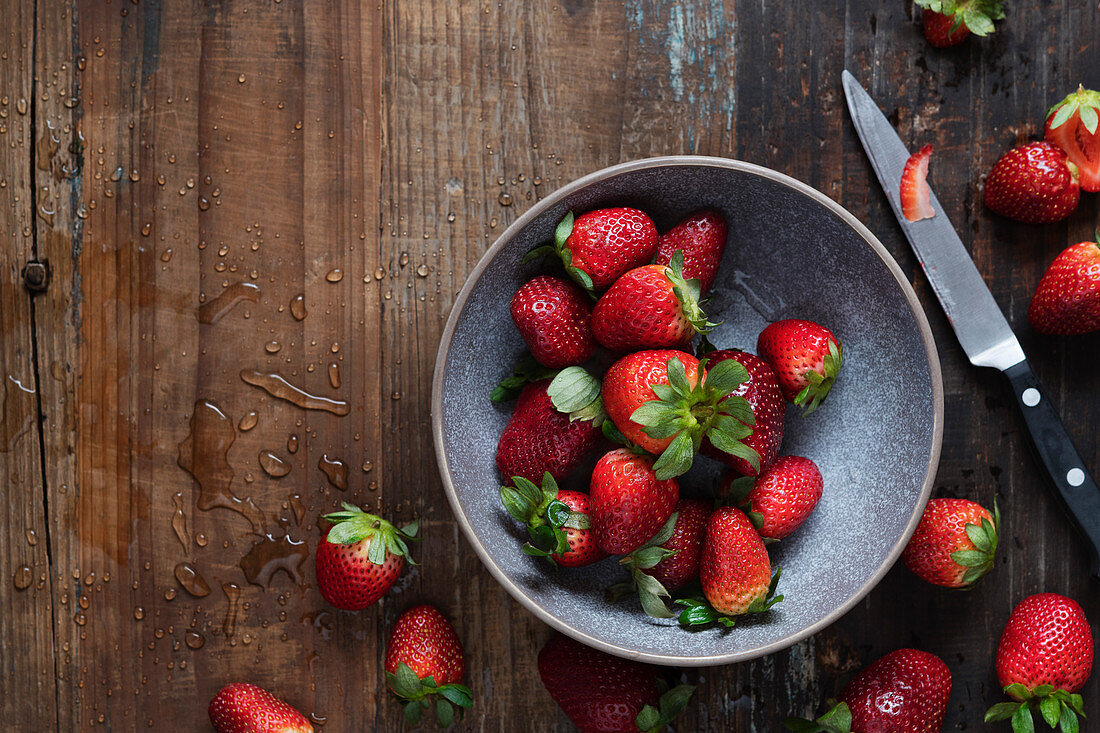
(979, 323)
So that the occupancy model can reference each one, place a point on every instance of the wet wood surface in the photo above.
(244, 189)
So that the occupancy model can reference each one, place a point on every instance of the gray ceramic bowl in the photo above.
(792, 253)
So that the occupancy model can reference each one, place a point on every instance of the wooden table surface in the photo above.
(281, 186)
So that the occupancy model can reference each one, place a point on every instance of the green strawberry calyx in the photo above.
(1059, 708)
(544, 515)
(649, 589)
(557, 249)
(525, 371)
(979, 561)
(577, 393)
(976, 15)
(355, 525)
(698, 613)
(707, 410)
(689, 293)
(818, 384)
(740, 488)
(837, 720)
(652, 719)
(420, 694)
(1085, 102)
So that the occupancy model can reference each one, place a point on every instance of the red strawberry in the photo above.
(244, 708)
(598, 247)
(735, 572)
(656, 400)
(781, 498)
(553, 316)
(765, 399)
(605, 694)
(806, 358)
(424, 659)
(539, 438)
(676, 571)
(954, 544)
(650, 307)
(916, 196)
(360, 557)
(1043, 659)
(557, 520)
(628, 503)
(702, 239)
(949, 22)
(1067, 301)
(1033, 183)
(905, 691)
(1072, 125)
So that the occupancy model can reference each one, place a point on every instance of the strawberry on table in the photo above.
(604, 694)
(806, 358)
(424, 665)
(1043, 659)
(765, 399)
(650, 307)
(781, 499)
(1033, 183)
(657, 401)
(598, 247)
(949, 22)
(955, 543)
(1067, 301)
(916, 196)
(245, 708)
(905, 691)
(554, 317)
(628, 503)
(360, 557)
(735, 572)
(702, 239)
(557, 520)
(540, 438)
(1074, 125)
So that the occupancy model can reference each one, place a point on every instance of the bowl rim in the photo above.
(686, 161)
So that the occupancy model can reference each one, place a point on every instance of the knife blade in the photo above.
(978, 322)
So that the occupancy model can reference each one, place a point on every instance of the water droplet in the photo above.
(170, 594)
(395, 395)
(298, 307)
(166, 255)
(248, 421)
(80, 618)
(191, 581)
(404, 259)
(372, 486)
(32, 536)
(21, 106)
(200, 539)
(277, 386)
(272, 347)
(139, 613)
(273, 465)
(292, 444)
(335, 347)
(367, 466)
(335, 470)
(505, 199)
(334, 375)
(299, 510)
(379, 273)
(193, 639)
(23, 577)
(269, 556)
(233, 595)
(241, 79)
(135, 176)
(213, 311)
(422, 271)
(223, 251)
(335, 275)
(179, 521)
(450, 216)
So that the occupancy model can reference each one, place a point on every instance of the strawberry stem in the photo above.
(355, 525)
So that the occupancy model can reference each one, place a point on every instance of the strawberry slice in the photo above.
(1074, 125)
(916, 196)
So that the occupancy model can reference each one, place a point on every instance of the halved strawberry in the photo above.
(916, 196)
(1074, 125)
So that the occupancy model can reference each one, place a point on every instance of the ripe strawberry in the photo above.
(598, 247)
(735, 572)
(1074, 125)
(245, 708)
(806, 358)
(540, 438)
(765, 399)
(1033, 183)
(557, 520)
(1067, 301)
(916, 196)
(954, 544)
(553, 316)
(657, 401)
(702, 239)
(1043, 659)
(949, 22)
(360, 557)
(650, 307)
(679, 569)
(781, 498)
(424, 659)
(628, 504)
(905, 691)
(605, 694)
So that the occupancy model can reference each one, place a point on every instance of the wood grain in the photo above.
(364, 157)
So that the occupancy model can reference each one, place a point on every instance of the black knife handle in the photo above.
(1077, 489)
